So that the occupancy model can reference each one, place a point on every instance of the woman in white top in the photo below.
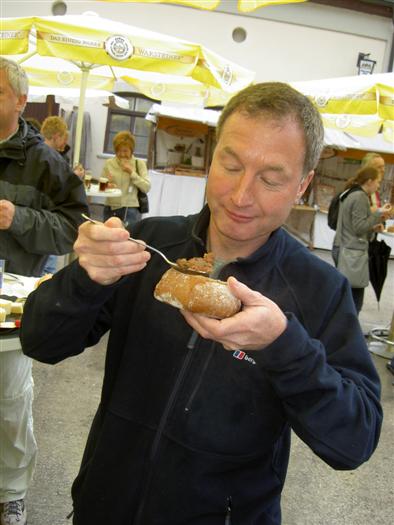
(129, 175)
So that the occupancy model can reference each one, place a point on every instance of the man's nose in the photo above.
(243, 191)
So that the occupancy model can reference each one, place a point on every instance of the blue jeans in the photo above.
(129, 216)
(50, 265)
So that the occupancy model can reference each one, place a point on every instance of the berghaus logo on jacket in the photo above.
(243, 356)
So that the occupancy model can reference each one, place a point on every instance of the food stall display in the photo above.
(179, 156)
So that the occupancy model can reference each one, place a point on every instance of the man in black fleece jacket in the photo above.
(195, 416)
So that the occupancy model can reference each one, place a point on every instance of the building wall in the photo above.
(285, 42)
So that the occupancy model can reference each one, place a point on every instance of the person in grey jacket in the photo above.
(357, 223)
(41, 202)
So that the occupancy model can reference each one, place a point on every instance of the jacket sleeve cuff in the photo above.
(290, 346)
(87, 287)
(18, 224)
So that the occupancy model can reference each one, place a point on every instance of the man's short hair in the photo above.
(280, 101)
(53, 125)
(16, 75)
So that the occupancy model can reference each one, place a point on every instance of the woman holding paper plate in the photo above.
(128, 174)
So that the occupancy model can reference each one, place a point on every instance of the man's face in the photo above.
(378, 164)
(10, 106)
(254, 180)
(59, 141)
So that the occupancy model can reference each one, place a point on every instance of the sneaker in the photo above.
(14, 513)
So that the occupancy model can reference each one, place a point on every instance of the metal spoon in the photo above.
(142, 243)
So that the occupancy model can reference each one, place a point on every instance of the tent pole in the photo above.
(81, 107)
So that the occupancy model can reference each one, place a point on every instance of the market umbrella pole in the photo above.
(81, 107)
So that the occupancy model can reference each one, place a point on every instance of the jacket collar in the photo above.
(15, 148)
(265, 256)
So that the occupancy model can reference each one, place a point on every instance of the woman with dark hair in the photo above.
(128, 174)
(356, 226)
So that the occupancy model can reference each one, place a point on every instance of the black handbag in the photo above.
(143, 202)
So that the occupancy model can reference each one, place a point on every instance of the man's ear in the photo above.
(20, 105)
(304, 184)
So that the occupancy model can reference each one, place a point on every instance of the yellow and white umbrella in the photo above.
(65, 78)
(114, 49)
(361, 106)
(244, 6)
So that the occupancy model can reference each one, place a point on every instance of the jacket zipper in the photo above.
(200, 379)
(160, 430)
(227, 520)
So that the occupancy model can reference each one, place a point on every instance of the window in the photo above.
(133, 120)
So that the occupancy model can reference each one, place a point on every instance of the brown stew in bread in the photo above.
(199, 264)
(196, 293)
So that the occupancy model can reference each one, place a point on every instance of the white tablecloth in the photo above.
(323, 236)
(94, 195)
(175, 194)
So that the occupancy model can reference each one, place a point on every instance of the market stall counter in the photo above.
(15, 289)
(300, 223)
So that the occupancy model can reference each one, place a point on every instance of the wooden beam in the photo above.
(362, 7)
(358, 154)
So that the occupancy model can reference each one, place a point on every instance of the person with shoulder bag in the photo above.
(128, 174)
(356, 226)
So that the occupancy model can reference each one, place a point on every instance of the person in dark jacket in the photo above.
(55, 132)
(41, 202)
(196, 414)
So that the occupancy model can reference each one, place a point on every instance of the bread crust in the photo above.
(42, 279)
(197, 294)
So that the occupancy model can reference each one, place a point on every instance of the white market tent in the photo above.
(196, 114)
(71, 95)
(359, 109)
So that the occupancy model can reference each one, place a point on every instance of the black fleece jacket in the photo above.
(182, 431)
(48, 199)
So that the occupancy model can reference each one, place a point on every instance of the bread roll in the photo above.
(17, 308)
(196, 293)
(42, 279)
(3, 315)
(6, 306)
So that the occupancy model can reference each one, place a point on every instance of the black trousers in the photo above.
(358, 298)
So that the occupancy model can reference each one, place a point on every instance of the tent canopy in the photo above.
(116, 50)
(362, 107)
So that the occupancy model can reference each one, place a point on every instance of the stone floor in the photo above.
(66, 396)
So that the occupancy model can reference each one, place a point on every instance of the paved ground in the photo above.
(66, 396)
